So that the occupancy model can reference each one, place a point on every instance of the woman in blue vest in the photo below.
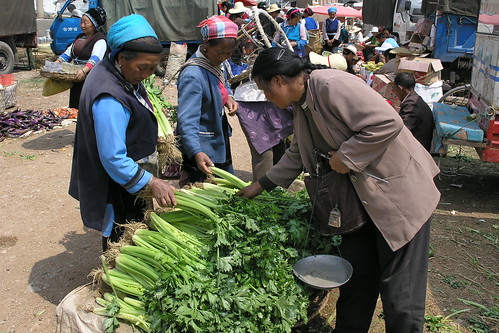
(331, 31)
(117, 132)
(308, 20)
(295, 32)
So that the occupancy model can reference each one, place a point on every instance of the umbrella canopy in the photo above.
(247, 3)
(342, 11)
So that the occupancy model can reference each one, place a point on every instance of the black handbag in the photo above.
(335, 204)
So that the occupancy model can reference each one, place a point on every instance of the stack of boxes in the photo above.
(426, 70)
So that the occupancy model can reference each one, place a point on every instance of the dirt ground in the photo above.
(46, 252)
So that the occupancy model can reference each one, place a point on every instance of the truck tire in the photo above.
(6, 58)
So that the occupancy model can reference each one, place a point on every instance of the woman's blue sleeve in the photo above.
(303, 36)
(110, 123)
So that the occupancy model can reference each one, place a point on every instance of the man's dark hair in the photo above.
(405, 80)
(388, 55)
(280, 61)
(381, 36)
(226, 4)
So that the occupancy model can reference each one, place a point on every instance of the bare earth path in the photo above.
(45, 251)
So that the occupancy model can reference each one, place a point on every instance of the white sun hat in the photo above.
(336, 61)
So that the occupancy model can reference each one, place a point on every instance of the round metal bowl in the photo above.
(323, 271)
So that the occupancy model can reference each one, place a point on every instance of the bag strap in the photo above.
(320, 145)
(318, 140)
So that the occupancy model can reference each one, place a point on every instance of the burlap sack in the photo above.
(74, 314)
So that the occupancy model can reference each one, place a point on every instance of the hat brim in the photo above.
(317, 59)
(356, 56)
(335, 61)
(273, 10)
(237, 11)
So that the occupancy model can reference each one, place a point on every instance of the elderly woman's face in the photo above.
(332, 15)
(141, 67)
(86, 25)
(219, 52)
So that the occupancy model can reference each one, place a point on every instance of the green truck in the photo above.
(17, 29)
(173, 20)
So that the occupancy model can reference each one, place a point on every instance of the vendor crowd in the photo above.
(305, 110)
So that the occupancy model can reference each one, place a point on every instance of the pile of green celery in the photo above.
(215, 263)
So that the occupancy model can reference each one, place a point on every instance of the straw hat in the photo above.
(355, 29)
(336, 61)
(273, 8)
(238, 8)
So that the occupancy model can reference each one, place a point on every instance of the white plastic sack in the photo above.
(430, 94)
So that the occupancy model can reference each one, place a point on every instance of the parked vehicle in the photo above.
(481, 97)
(66, 26)
(173, 20)
(484, 99)
(18, 29)
(453, 34)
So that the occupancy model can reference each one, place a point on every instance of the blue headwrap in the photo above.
(332, 10)
(129, 28)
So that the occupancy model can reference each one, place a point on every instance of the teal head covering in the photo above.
(129, 28)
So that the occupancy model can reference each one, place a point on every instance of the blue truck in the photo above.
(173, 20)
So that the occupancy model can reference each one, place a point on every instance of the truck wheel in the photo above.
(6, 58)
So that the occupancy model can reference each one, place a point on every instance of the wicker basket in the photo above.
(71, 77)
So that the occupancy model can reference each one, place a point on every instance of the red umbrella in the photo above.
(342, 11)
(248, 3)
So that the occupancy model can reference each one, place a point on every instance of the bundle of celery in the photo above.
(168, 152)
(216, 263)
